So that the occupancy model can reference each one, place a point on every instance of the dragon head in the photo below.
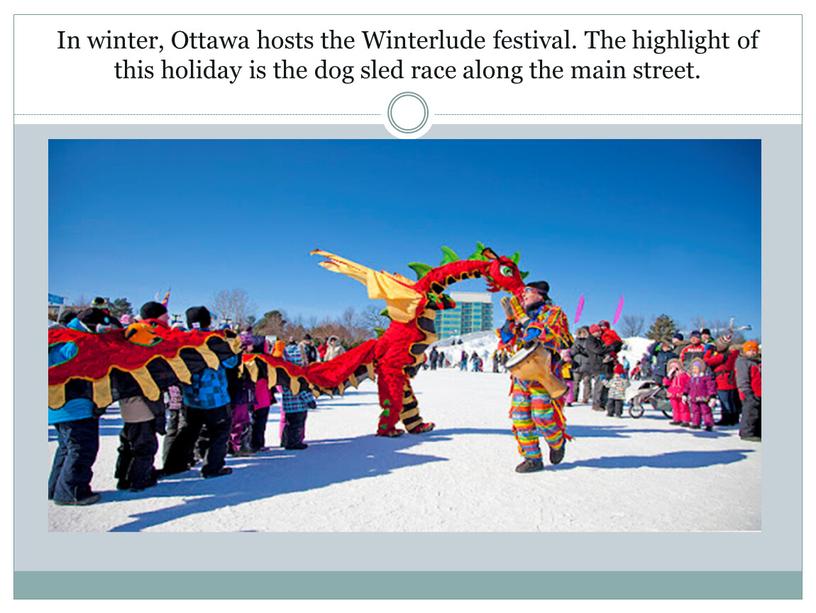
(502, 273)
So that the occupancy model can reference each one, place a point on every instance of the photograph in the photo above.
(403, 336)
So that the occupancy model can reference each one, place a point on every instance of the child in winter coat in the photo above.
(143, 420)
(566, 375)
(676, 382)
(295, 406)
(700, 393)
(617, 392)
(749, 384)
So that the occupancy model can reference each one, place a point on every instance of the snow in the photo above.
(618, 475)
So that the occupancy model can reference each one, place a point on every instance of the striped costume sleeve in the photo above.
(550, 328)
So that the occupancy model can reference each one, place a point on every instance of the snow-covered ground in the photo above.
(618, 475)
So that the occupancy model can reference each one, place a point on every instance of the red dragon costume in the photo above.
(145, 359)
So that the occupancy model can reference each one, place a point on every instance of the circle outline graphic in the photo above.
(390, 112)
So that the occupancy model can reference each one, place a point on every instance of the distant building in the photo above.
(473, 313)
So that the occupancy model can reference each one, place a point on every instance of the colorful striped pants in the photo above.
(534, 413)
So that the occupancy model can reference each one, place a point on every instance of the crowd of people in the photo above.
(221, 413)
(217, 414)
(698, 375)
(473, 361)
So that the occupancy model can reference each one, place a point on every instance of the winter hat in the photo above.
(152, 310)
(722, 343)
(694, 333)
(618, 369)
(594, 328)
(126, 319)
(99, 303)
(705, 331)
(699, 363)
(198, 317)
(672, 365)
(678, 337)
(604, 324)
(750, 346)
(541, 286)
(92, 318)
(66, 317)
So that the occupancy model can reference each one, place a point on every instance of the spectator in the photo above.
(676, 383)
(695, 349)
(567, 376)
(580, 372)
(700, 393)
(663, 352)
(599, 366)
(722, 360)
(433, 357)
(617, 392)
(749, 384)
(308, 350)
(334, 348)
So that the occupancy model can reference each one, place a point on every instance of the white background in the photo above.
(758, 89)
(763, 81)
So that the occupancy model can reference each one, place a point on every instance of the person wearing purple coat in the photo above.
(700, 393)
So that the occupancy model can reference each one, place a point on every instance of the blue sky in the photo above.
(672, 225)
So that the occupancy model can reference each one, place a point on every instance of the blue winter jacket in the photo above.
(73, 410)
(208, 388)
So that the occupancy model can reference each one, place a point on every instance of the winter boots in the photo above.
(294, 431)
(556, 455)
(530, 465)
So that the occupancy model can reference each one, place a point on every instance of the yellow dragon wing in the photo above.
(400, 298)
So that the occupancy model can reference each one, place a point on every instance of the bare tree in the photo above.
(372, 318)
(632, 325)
(698, 322)
(233, 305)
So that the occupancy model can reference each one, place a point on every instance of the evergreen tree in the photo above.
(121, 306)
(663, 327)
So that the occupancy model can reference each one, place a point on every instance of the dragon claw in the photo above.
(391, 432)
(425, 426)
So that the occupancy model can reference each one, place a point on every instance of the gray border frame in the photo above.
(474, 563)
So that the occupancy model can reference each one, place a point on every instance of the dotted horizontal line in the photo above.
(198, 114)
(617, 114)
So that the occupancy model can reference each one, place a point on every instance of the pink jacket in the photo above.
(678, 384)
(263, 397)
(701, 388)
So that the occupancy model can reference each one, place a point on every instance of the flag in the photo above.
(54, 299)
(579, 309)
(618, 311)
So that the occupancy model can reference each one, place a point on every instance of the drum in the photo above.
(535, 364)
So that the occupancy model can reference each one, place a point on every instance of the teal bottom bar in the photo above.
(402, 585)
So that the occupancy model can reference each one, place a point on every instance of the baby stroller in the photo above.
(647, 393)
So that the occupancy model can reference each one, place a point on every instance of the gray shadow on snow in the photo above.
(278, 471)
(671, 459)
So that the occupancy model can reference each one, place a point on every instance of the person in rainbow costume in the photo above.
(533, 410)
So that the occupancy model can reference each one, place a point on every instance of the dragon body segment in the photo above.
(147, 358)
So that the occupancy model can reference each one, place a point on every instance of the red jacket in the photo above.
(723, 366)
(610, 337)
(756, 380)
(678, 384)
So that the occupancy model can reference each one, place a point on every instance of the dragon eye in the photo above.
(506, 271)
